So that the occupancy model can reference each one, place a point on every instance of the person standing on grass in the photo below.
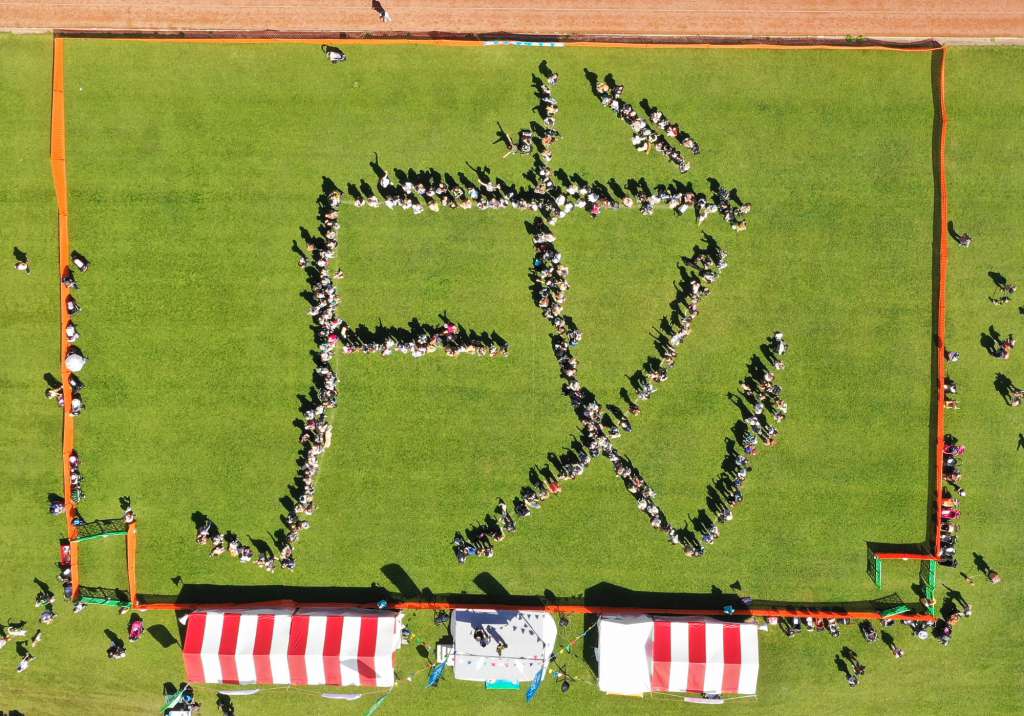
(25, 661)
(963, 239)
(23, 265)
(136, 627)
(1006, 346)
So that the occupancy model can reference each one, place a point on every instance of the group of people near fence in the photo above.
(949, 507)
(74, 359)
(316, 431)
(73, 403)
(45, 601)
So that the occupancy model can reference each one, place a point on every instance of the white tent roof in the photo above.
(624, 656)
(529, 639)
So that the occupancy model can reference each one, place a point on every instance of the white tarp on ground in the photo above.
(528, 638)
(691, 654)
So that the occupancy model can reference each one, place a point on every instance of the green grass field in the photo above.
(192, 169)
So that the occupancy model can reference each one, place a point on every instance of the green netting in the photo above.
(105, 596)
(99, 536)
(875, 569)
(928, 581)
(105, 602)
(173, 700)
(901, 609)
(101, 528)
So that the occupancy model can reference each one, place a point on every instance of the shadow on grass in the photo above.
(162, 635)
(603, 595)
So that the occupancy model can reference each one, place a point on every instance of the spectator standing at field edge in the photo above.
(385, 16)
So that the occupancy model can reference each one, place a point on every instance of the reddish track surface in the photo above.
(776, 18)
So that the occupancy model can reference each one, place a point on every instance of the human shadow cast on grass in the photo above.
(401, 579)
(114, 638)
(162, 636)
(992, 342)
(604, 595)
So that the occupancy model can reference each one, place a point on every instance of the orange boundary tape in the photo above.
(60, 182)
(58, 166)
(940, 328)
(555, 609)
(130, 546)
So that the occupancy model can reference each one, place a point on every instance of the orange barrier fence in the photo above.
(58, 165)
(905, 555)
(933, 552)
(130, 548)
(463, 40)
(940, 329)
(798, 612)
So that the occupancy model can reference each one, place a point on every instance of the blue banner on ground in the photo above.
(435, 674)
(532, 691)
(522, 43)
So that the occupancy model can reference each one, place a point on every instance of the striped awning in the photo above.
(639, 654)
(704, 657)
(346, 648)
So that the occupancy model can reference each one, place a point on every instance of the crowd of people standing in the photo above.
(421, 339)
(601, 425)
(316, 432)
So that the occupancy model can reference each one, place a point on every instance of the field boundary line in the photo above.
(58, 166)
(478, 40)
(58, 162)
(941, 327)
(796, 612)
(933, 552)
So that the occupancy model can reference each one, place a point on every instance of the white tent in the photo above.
(527, 639)
(624, 656)
(642, 654)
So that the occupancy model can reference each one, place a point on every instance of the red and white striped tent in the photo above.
(285, 646)
(638, 655)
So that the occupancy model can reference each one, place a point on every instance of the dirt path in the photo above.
(822, 18)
